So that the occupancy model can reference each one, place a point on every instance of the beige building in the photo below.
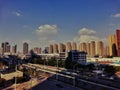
(74, 46)
(68, 46)
(37, 50)
(112, 44)
(83, 47)
(88, 49)
(55, 48)
(50, 49)
(61, 47)
(25, 48)
(100, 48)
(93, 48)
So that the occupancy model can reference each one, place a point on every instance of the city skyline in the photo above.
(42, 22)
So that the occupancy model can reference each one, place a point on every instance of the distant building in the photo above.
(25, 48)
(68, 46)
(61, 47)
(100, 48)
(118, 42)
(6, 47)
(37, 50)
(79, 57)
(14, 49)
(106, 51)
(83, 47)
(62, 56)
(55, 48)
(88, 49)
(50, 49)
(112, 45)
(1, 51)
(74, 46)
(46, 50)
(93, 48)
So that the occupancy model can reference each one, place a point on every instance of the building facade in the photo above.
(25, 48)
(77, 56)
(118, 41)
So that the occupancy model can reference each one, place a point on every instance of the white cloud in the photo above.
(87, 35)
(116, 15)
(47, 29)
(46, 34)
(85, 31)
(17, 13)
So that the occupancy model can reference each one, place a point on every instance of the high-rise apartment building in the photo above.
(50, 48)
(88, 49)
(14, 49)
(61, 47)
(6, 47)
(55, 48)
(83, 47)
(93, 48)
(25, 48)
(68, 46)
(74, 46)
(112, 45)
(106, 51)
(100, 48)
(118, 42)
(1, 51)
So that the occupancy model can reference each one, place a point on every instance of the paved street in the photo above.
(51, 85)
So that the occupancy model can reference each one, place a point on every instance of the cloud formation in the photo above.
(116, 15)
(86, 31)
(47, 33)
(47, 29)
(88, 35)
(17, 13)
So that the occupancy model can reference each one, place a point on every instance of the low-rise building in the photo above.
(79, 57)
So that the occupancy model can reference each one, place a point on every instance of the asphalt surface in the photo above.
(54, 85)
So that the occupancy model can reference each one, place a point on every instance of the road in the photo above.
(54, 85)
(71, 75)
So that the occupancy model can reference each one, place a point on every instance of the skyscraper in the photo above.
(14, 49)
(74, 46)
(106, 51)
(61, 47)
(82, 47)
(118, 42)
(50, 48)
(55, 48)
(6, 47)
(93, 48)
(25, 48)
(100, 48)
(1, 51)
(68, 46)
(112, 45)
(88, 49)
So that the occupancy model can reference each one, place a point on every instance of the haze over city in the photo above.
(42, 22)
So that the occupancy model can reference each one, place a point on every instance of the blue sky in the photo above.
(40, 22)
